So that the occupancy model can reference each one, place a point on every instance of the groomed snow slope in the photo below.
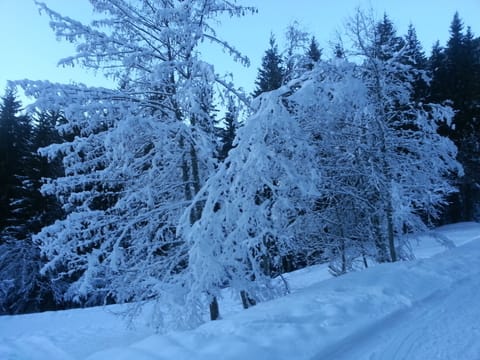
(424, 309)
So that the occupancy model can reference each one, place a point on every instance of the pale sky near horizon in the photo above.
(29, 48)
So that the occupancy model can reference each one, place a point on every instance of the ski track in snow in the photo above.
(445, 325)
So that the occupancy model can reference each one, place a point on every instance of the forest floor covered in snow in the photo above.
(422, 309)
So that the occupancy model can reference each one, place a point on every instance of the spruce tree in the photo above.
(437, 71)
(414, 56)
(313, 53)
(386, 42)
(458, 76)
(47, 208)
(15, 154)
(228, 130)
(271, 73)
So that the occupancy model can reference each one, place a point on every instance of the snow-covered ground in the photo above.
(424, 309)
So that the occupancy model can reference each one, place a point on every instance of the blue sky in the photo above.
(29, 48)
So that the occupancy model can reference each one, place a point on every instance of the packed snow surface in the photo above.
(423, 309)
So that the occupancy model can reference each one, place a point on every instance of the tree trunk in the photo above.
(191, 178)
(247, 301)
(214, 309)
(380, 242)
(390, 229)
(365, 263)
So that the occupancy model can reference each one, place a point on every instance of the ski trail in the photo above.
(444, 326)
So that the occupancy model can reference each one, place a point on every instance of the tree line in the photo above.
(145, 193)
(24, 210)
(449, 75)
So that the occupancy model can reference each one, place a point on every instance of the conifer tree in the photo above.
(47, 207)
(228, 130)
(458, 76)
(386, 43)
(414, 56)
(15, 153)
(437, 71)
(271, 73)
(313, 53)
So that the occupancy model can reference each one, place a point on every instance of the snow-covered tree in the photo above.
(22, 288)
(139, 153)
(253, 206)
(342, 161)
(411, 162)
(334, 104)
(296, 52)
